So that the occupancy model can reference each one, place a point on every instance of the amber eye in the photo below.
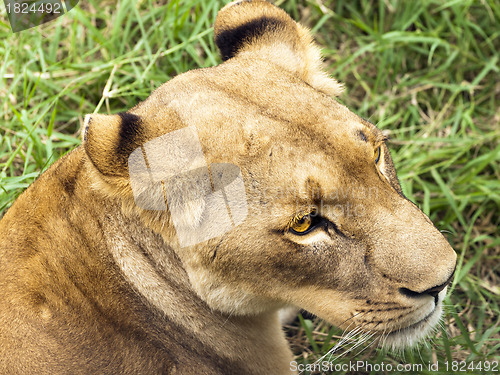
(301, 224)
(377, 152)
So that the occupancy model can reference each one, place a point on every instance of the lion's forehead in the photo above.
(256, 98)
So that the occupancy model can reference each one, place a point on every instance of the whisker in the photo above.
(348, 337)
(345, 337)
(361, 341)
(367, 346)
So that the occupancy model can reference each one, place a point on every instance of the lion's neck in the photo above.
(156, 273)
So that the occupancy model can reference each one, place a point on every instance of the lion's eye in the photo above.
(377, 152)
(301, 224)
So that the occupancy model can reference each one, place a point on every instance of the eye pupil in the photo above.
(378, 155)
(301, 225)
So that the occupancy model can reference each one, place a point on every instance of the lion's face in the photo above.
(328, 228)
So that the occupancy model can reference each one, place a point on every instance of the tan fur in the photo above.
(90, 282)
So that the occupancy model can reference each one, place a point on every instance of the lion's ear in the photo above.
(110, 139)
(260, 29)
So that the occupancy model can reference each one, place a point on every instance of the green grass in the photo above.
(424, 71)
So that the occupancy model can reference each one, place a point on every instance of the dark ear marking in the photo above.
(231, 40)
(130, 134)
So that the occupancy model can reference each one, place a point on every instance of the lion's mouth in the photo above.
(409, 335)
(416, 325)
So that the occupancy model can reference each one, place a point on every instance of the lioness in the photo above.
(170, 239)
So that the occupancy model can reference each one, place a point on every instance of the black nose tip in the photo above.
(433, 292)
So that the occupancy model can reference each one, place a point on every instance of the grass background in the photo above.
(425, 71)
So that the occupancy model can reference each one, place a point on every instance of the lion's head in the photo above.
(325, 225)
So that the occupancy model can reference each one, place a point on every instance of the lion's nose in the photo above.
(433, 292)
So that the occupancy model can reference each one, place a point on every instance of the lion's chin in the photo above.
(413, 334)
